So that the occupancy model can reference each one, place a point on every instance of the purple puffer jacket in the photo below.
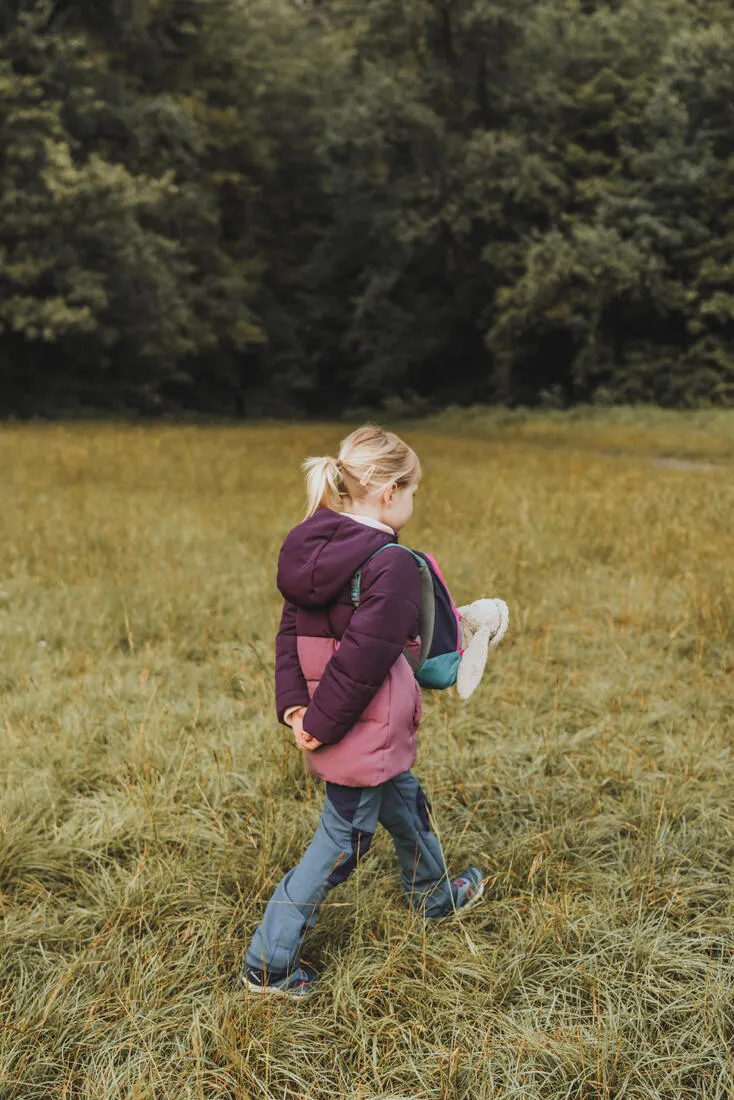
(347, 666)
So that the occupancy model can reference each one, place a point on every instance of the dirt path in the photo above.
(687, 464)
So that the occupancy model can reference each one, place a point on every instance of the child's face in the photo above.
(397, 505)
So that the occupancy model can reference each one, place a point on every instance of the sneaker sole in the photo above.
(274, 990)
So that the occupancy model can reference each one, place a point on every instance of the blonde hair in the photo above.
(369, 459)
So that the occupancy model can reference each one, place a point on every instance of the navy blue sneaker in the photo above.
(466, 891)
(298, 983)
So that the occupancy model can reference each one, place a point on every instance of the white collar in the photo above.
(369, 522)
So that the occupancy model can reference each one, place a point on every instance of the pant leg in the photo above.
(404, 813)
(344, 834)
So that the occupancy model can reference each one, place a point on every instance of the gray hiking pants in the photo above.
(344, 834)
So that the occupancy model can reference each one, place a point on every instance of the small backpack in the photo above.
(440, 622)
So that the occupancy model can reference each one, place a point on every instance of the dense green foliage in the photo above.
(268, 206)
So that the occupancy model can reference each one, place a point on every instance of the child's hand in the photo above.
(307, 742)
(303, 740)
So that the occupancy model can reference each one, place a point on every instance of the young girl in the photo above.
(346, 689)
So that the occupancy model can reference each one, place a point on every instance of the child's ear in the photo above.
(389, 493)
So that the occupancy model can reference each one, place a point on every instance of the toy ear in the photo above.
(503, 612)
(473, 660)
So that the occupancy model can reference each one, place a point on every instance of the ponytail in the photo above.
(322, 483)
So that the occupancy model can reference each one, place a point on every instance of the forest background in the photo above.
(274, 208)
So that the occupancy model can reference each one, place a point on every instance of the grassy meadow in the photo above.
(149, 802)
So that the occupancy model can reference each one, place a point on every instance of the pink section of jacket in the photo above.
(382, 743)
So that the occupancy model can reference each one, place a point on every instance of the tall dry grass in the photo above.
(149, 803)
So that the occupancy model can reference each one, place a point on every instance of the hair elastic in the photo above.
(367, 477)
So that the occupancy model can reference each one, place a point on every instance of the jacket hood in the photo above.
(321, 555)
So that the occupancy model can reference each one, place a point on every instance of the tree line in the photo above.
(298, 207)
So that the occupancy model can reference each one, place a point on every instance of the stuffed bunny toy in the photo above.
(483, 626)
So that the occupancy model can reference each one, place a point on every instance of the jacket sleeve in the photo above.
(387, 616)
(291, 689)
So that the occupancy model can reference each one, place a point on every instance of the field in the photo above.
(149, 802)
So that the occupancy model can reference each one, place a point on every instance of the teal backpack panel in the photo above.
(439, 672)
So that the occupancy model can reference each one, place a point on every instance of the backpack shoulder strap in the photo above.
(428, 600)
(356, 586)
